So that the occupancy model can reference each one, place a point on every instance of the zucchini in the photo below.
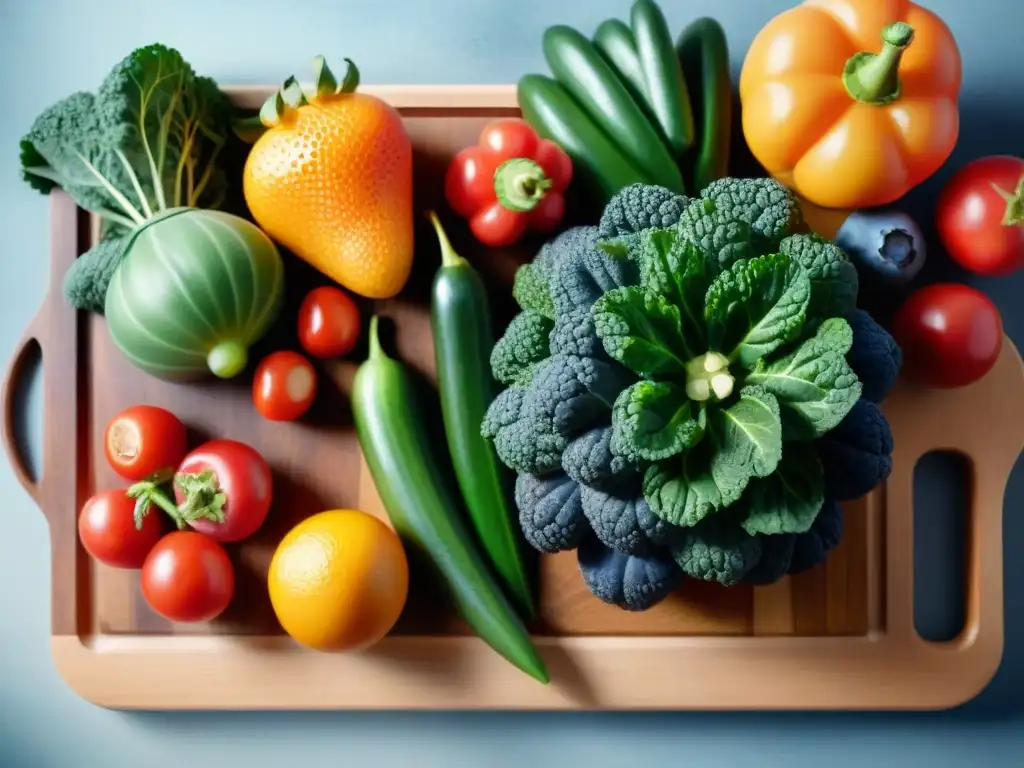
(663, 76)
(555, 114)
(461, 323)
(578, 66)
(704, 55)
(613, 39)
(400, 456)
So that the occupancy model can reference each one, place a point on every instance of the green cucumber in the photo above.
(663, 76)
(589, 79)
(704, 55)
(552, 111)
(613, 39)
(391, 431)
(461, 323)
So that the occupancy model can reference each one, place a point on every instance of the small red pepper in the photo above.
(510, 181)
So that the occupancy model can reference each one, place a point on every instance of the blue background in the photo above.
(50, 48)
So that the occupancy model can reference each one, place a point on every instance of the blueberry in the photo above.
(886, 243)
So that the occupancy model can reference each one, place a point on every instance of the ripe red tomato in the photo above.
(106, 528)
(188, 577)
(284, 386)
(950, 334)
(980, 215)
(241, 479)
(144, 439)
(328, 322)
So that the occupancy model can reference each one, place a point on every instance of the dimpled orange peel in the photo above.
(330, 179)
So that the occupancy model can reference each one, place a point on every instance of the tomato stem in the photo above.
(1014, 214)
(873, 78)
(521, 184)
(151, 491)
(203, 496)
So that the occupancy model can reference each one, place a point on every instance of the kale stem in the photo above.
(146, 210)
(113, 191)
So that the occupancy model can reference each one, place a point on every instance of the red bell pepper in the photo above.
(509, 182)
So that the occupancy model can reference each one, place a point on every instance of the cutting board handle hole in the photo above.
(942, 493)
(24, 396)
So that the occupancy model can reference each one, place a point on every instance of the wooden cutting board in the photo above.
(839, 636)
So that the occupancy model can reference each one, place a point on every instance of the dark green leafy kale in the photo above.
(148, 140)
(631, 582)
(86, 281)
(699, 406)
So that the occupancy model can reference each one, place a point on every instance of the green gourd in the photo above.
(195, 289)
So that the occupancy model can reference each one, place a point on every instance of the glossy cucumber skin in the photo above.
(554, 114)
(589, 79)
(613, 39)
(460, 320)
(400, 455)
(666, 87)
(704, 54)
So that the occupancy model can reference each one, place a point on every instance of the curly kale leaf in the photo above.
(834, 282)
(87, 279)
(531, 290)
(634, 209)
(574, 334)
(682, 491)
(755, 307)
(550, 512)
(775, 560)
(524, 441)
(770, 209)
(628, 581)
(722, 238)
(623, 521)
(589, 459)
(748, 442)
(811, 548)
(573, 393)
(874, 356)
(581, 273)
(524, 344)
(642, 330)
(788, 500)
(814, 383)
(717, 550)
(857, 454)
(654, 421)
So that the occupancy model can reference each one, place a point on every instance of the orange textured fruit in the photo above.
(339, 580)
(331, 181)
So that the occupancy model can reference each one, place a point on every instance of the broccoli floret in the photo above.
(857, 454)
(774, 563)
(812, 547)
(582, 273)
(523, 440)
(589, 460)
(717, 549)
(575, 334)
(624, 522)
(875, 356)
(722, 237)
(87, 279)
(550, 512)
(530, 289)
(833, 276)
(632, 210)
(524, 344)
(771, 210)
(630, 582)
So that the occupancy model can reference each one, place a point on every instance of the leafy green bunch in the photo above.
(690, 392)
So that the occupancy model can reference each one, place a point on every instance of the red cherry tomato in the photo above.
(240, 474)
(188, 577)
(284, 386)
(106, 528)
(144, 439)
(950, 334)
(328, 322)
(980, 215)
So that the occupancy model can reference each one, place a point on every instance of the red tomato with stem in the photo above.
(284, 386)
(108, 530)
(188, 577)
(143, 440)
(951, 335)
(329, 322)
(509, 182)
(980, 215)
(224, 489)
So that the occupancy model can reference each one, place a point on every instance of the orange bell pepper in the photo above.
(842, 118)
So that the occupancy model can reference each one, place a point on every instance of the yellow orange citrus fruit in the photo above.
(339, 580)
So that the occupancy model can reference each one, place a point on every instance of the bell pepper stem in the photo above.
(873, 78)
(1014, 214)
(520, 184)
